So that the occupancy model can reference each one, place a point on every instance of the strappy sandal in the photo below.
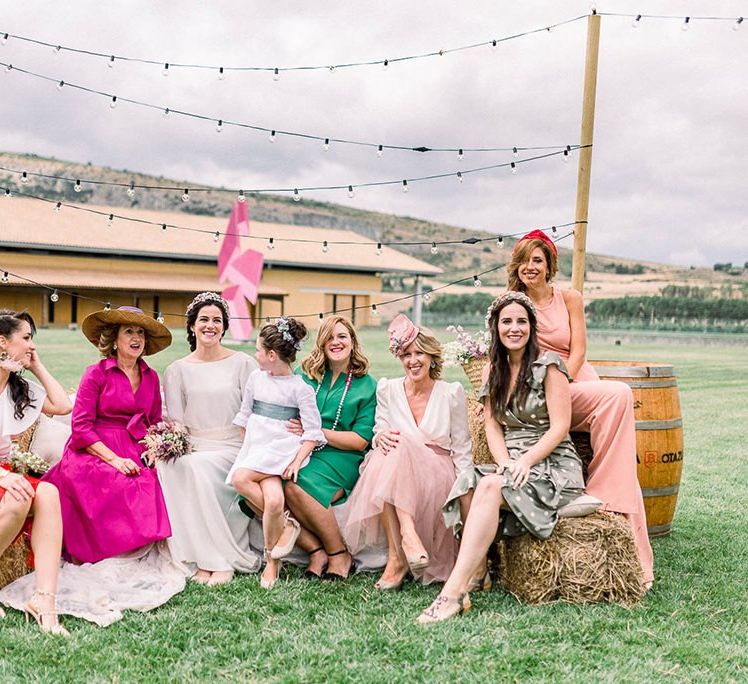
(444, 608)
(32, 609)
(481, 583)
(313, 575)
(336, 577)
(269, 583)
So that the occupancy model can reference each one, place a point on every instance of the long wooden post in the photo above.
(585, 154)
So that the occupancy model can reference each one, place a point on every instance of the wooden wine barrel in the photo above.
(659, 435)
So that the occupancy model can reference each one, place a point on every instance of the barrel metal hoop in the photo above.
(660, 530)
(661, 491)
(659, 424)
(656, 384)
(635, 371)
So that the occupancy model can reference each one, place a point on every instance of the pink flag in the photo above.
(240, 324)
(246, 272)
(238, 225)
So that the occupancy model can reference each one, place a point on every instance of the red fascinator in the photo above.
(539, 235)
(402, 334)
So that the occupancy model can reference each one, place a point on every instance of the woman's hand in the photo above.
(125, 466)
(388, 440)
(17, 486)
(35, 364)
(292, 472)
(295, 427)
(520, 471)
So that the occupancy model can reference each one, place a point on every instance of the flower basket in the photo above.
(474, 371)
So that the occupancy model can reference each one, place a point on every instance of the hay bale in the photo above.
(586, 560)
(481, 452)
(583, 446)
(14, 561)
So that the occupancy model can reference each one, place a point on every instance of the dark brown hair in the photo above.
(10, 323)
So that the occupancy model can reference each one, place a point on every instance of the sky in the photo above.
(670, 157)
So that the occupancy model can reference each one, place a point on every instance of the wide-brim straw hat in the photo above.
(157, 336)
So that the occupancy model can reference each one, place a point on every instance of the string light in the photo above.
(221, 74)
(476, 281)
(166, 112)
(165, 70)
(636, 23)
(54, 297)
(553, 230)
(460, 155)
(515, 152)
(60, 85)
(113, 102)
(271, 243)
(405, 186)
(131, 189)
(77, 187)
(380, 151)
(500, 241)
(160, 318)
(276, 74)
(296, 195)
(426, 295)
(5, 279)
(320, 315)
(514, 168)
(58, 206)
(566, 154)
(325, 247)
(8, 68)
(8, 192)
(107, 307)
(351, 193)
(685, 24)
(379, 249)
(459, 177)
(272, 136)
(326, 144)
(216, 236)
(186, 195)
(494, 45)
(736, 25)
(25, 178)
(110, 63)
(241, 198)
(219, 126)
(374, 310)
(110, 220)
(4, 39)
(385, 64)
(163, 227)
(434, 248)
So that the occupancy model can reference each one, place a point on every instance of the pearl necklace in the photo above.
(348, 381)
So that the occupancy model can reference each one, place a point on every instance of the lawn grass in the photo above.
(691, 627)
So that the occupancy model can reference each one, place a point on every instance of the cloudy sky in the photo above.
(670, 163)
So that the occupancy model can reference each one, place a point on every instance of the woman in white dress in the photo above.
(204, 392)
(421, 442)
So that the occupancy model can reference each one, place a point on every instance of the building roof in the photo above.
(29, 223)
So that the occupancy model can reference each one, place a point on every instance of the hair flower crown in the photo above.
(283, 328)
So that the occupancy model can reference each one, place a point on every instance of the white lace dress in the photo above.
(208, 530)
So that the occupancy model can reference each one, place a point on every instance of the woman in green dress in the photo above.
(346, 398)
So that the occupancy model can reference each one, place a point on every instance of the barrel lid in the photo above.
(632, 369)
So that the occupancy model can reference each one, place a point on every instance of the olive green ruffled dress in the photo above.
(553, 482)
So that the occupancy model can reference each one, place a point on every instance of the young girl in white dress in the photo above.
(270, 453)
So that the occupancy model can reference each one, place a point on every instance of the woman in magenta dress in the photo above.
(604, 408)
(111, 503)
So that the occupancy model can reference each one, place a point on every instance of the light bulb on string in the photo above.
(374, 310)
(276, 74)
(514, 168)
(166, 112)
(77, 187)
(165, 70)
(385, 64)
(320, 316)
(113, 102)
(219, 126)
(405, 186)
(515, 152)
(686, 24)
(636, 23)
(110, 220)
(186, 195)
(8, 68)
(110, 63)
(459, 177)
(476, 281)
(60, 85)
(351, 192)
(736, 25)
(325, 247)
(272, 137)
(131, 189)
(57, 49)
(271, 243)
(380, 151)
(25, 178)
(326, 144)
(554, 230)
(8, 193)
(434, 248)
(494, 44)
(107, 307)
(500, 241)
(221, 74)
(296, 195)
(566, 154)
(57, 207)
(460, 155)
(216, 236)
(163, 227)
(331, 68)
(426, 295)
(160, 318)
(5, 279)
(54, 297)
(4, 39)
(379, 249)
(241, 198)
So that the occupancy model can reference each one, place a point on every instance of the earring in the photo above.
(114, 347)
(433, 364)
(4, 356)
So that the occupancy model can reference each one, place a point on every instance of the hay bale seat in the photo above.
(586, 560)
(14, 562)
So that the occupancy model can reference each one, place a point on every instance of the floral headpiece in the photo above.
(209, 297)
(283, 328)
(402, 334)
(510, 296)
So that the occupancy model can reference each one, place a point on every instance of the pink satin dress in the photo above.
(106, 513)
(605, 409)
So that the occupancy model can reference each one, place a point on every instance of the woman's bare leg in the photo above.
(397, 567)
(12, 516)
(46, 543)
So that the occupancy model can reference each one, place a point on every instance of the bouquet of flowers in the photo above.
(165, 441)
(468, 351)
(25, 462)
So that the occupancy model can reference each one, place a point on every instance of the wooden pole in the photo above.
(585, 154)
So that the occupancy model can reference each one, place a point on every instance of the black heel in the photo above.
(336, 577)
(313, 575)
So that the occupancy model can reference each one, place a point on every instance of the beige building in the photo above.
(131, 263)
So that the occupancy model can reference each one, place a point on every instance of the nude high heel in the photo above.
(32, 608)
(444, 608)
(269, 583)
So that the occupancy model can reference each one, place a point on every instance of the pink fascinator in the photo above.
(402, 334)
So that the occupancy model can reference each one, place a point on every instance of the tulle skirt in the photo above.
(416, 479)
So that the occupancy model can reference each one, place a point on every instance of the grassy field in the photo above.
(693, 626)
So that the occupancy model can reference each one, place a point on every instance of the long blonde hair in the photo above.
(315, 364)
(521, 254)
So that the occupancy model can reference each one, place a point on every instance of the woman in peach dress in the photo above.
(603, 408)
